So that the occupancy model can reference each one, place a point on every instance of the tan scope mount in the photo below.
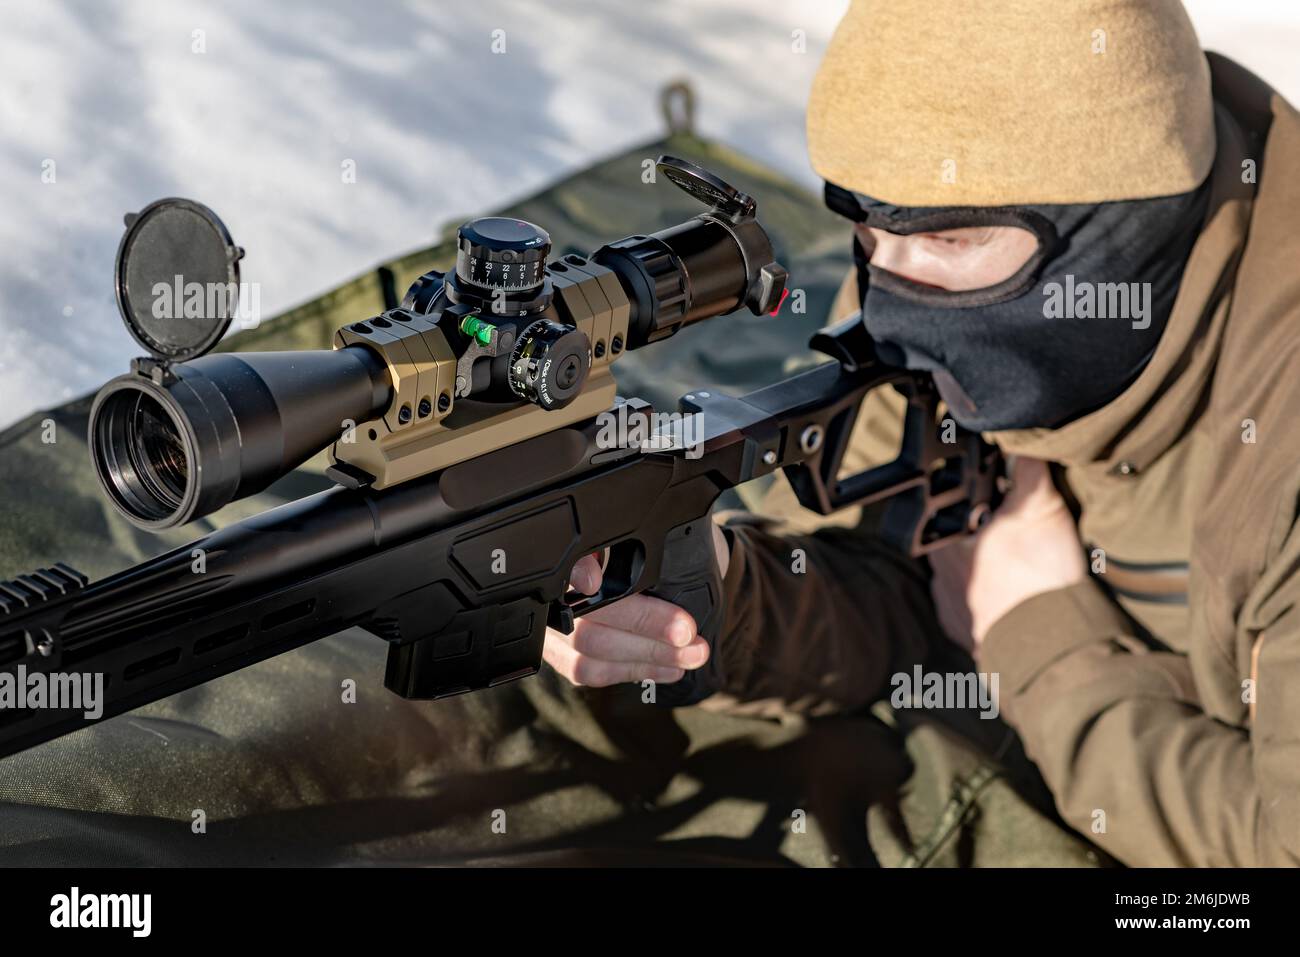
(427, 425)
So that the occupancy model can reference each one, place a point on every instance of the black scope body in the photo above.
(681, 275)
(173, 442)
(182, 442)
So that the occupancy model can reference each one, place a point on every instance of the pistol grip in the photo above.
(689, 578)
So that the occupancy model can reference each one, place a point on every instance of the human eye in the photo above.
(958, 240)
(948, 241)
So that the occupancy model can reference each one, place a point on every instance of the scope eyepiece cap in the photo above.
(709, 188)
(177, 278)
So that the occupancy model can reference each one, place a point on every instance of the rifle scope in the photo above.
(505, 347)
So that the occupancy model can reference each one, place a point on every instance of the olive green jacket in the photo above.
(1161, 697)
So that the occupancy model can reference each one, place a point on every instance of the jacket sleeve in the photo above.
(1124, 745)
(816, 622)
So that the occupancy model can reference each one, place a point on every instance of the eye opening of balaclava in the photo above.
(1005, 359)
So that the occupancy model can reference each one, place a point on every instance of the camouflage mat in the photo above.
(271, 766)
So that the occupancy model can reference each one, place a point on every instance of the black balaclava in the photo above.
(1022, 353)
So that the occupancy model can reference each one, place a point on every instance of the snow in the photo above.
(117, 100)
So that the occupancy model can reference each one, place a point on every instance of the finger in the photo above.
(954, 619)
(651, 617)
(558, 652)
(952, 563)
(1030, 480)
(583, 670)
(722, 550)
(586, 575)
(598, 640)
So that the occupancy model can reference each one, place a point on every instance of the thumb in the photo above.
(586, 575)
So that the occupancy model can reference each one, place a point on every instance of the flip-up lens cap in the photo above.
(709, 189)
(177, 278)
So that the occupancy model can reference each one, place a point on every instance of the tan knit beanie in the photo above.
(1004, 102)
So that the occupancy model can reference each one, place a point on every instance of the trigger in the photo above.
(560, 617)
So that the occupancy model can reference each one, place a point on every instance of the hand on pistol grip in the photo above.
(664, 635)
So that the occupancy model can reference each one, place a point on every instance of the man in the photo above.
(1084, 228)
